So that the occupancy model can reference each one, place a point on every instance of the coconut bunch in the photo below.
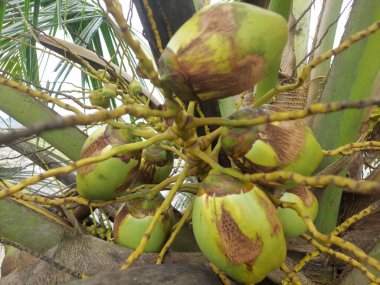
(284, 145)
(133, 219)
(110, 178)
(223, 50)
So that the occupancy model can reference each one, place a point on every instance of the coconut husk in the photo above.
(15, 258)
(291, 100)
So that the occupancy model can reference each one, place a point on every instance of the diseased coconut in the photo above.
(292, 223)
(222, 50)
(107, 179)
(237, 228)
(285, 145)
(156, 164)
(133, 219)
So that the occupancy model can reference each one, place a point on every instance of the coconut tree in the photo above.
(178, 106)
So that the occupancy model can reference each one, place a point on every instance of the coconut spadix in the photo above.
(109, 178)
(237, 228)
(222, 50)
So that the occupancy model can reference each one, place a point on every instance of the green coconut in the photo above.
(104, 74)
(109, 91)
(237, 228)
(97, 99)
(110, 178)
(156, 164)
(135, 88)
(286, 145)
(222, 50)
(133, 219)
(292, 223)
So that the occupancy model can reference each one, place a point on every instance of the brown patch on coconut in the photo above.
(120, 216)
(248, 166)
(304, 193)
(166, 216)
(237, 247)
(146, 173)
(271, 214)
(287, 140)
(195, 69)
(219, 19)
(94, 149)
(225, 84)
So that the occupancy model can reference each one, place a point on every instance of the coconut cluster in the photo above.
(111, 178)
(108, 179)
(221, 51)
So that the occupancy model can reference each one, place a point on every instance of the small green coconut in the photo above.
(104, 74)
(133, 219)
(222, 50)
(156, 164)
(292, 223)
(135, 88)
(285, 145)
(97, 99)
(110, 178)
(237, 228)
(109, 90)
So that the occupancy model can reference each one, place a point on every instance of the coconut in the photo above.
(133, 219)
(110, 178)
(104, 74)
(237, 228)
(156, 164)
(285, 145)
(109, 91)
(292, 223)
(135, 88)
(222, 50)
(97, 99)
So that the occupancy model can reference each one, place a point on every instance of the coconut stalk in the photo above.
(301, 29)
(346, 83)
(327, 31)
(282, 7)
(30, 225)
(22, 222)
(27, 110)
